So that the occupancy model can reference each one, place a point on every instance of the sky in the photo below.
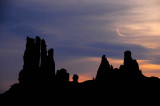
(80, 31)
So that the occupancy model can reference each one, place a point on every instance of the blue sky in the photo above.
(80, 31)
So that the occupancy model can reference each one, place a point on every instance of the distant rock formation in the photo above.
(128, 71)
(39, 65)
(38, 76)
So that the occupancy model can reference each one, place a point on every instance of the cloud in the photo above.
(80, 30)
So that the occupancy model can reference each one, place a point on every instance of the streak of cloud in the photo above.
(80, 30)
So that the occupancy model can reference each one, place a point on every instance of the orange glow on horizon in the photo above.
(83, 77)
(150, 66)
(144, 65)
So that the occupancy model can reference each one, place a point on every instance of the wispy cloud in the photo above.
(81, 30)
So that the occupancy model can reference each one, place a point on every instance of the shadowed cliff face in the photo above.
(38, 76)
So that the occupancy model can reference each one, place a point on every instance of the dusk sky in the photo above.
(80, 31)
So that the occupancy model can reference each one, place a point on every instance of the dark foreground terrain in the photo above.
(38, 80)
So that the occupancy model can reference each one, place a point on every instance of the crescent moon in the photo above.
(118, 32)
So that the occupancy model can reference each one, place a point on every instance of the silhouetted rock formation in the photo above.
(75, 78)
(128, 71)
(104, 70)
(38, 75)
(62, 77)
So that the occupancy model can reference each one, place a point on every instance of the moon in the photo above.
(118, 32)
